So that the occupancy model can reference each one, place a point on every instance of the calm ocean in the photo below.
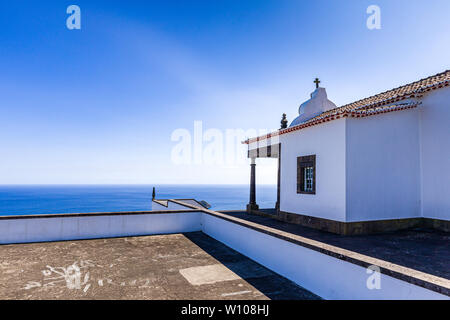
(19, 200)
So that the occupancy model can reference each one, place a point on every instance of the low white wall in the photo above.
(92, 226)
(326, 276)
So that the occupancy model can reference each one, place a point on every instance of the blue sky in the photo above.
(99, 105)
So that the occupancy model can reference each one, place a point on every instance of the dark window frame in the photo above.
(302, 163)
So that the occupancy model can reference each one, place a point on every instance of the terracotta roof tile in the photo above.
(383, 102)
(410, 90)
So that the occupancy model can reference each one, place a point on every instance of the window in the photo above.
(306, 174)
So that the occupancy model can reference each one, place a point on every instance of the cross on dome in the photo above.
(316, 105)
(317, 81)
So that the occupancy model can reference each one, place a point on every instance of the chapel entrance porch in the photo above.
(267, 148)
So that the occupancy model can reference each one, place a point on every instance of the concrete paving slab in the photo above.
(179, 266)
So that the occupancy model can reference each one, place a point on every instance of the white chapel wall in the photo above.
(383, 166)
(327, 142)
(435, 154)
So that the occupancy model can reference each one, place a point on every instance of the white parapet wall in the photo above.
(322, 274)
(102, 225)
(326, 275)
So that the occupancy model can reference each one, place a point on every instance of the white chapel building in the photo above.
(378, 164)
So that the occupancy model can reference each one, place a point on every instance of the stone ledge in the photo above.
(422, 279)
(96, 214)
(362, 227)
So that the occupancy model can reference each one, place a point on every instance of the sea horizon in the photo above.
(30, 199)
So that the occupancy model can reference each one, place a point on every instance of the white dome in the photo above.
(315, 106)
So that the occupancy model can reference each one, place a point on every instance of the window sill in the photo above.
(306, 192)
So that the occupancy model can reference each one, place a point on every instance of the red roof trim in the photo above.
(413, 90)
(329, 117)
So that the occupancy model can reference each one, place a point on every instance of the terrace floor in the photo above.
(420, 249)
(178, 266)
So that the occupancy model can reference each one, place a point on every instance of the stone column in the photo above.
(252, 205)
(277, 205)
